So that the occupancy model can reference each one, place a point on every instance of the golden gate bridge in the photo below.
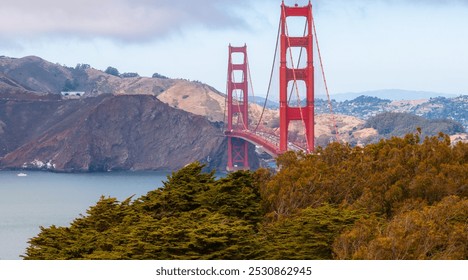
(239, 130)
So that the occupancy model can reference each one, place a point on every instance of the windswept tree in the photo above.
(193, 216)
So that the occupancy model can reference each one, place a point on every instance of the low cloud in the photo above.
(139, 20)
(124, 20)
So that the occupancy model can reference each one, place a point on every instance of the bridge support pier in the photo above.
(238, 150)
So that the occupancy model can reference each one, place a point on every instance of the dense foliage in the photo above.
(401, 198)
(159, 76)
(193, 216)
(112, 71)
(70, 85)
(399, 124)
(129, 75)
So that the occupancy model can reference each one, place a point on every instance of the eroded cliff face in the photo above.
(127, 132)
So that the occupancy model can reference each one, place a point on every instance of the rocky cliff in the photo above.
(128, 132)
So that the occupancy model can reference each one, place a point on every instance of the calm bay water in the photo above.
(45, 199)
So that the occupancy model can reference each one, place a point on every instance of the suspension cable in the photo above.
(325, 81)
(271, 76)
(226, 97)
(249, 80)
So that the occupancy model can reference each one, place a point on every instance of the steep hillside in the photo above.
(41, 77)
(444, 108)
(38, 135)
(196, 98)
(131, 132)
(34, 74)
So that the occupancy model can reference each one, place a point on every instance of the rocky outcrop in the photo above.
(128, 132)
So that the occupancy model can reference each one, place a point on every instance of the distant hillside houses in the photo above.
(365, 107)
(72, 94)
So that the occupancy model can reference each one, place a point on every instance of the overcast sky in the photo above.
(366, 44)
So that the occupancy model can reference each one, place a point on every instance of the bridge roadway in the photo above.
(266, 141)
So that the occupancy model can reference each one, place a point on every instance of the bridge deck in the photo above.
(269, 142)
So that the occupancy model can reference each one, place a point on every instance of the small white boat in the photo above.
(21, 174)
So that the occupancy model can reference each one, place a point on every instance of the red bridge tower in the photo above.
(287, 75)
(237, 109)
